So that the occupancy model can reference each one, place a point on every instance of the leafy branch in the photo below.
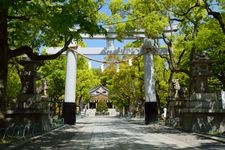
(35, 56)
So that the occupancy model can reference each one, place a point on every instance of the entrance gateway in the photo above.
(147, 50)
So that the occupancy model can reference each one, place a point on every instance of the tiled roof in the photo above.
(99, 90)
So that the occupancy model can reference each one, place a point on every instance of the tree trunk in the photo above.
(158, 102)
(3, 56)
(192, 81)
(170, 85)
(79, 105)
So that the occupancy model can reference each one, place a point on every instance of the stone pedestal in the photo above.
(29, 116)
(33, 111)
(203, 112)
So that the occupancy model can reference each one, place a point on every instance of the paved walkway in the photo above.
(111, 133)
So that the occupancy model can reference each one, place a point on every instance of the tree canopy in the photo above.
(199, 28)
(26, 25)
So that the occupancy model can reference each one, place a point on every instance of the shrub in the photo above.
(102, 106)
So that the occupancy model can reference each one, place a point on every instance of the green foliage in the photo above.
(55, 70)
(136, 43)
(13, 84)
(140, 14)
(37, 23)
(201, 33)
(51, 22)
(126, 86)
(110, 70)
(55, 73)
(102, 106)
(161, 79)
(57, 84)
(210, 40)
(86, 79)
(82, 63)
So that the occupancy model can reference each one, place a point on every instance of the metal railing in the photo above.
(21, 130)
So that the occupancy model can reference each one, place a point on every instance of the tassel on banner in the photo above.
(130, 62)
(102, 68)
(117, 67)
(89, 65)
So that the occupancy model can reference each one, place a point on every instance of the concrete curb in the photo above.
(212, 137)
(216, 138)
(21, 143)
(208, 136)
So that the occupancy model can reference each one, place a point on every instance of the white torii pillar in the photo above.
(149, 83)
(69, 105)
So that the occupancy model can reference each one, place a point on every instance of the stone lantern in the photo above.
(31, 108)
(29, 96)
(200, 73)
(29, 76)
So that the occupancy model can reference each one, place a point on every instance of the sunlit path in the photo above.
(113, 133)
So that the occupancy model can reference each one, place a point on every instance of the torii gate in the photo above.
(69, 104)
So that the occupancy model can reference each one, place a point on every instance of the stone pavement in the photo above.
(111, 133)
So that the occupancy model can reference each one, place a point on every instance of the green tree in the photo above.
(25, 25)
(140, 14)
(201, 30)
(110, 70)
(126, 87)
(86, 79)
(13, 84)
(161, 79)
(200, 26)
(54, 71)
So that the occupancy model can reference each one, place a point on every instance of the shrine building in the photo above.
(99, 93)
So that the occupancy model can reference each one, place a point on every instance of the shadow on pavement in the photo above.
(116, 134)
